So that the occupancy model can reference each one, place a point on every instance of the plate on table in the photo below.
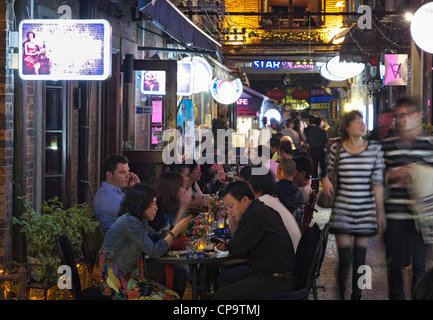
(176, 253)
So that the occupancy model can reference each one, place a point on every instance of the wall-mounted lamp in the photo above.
(373, 85)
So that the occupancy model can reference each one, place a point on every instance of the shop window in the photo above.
(55, 156)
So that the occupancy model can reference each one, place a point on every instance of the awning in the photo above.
(251, 101)
(169, 18)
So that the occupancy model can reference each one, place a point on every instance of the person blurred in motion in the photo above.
(260, 237)
(123, 269)
(173, 201)
(117, 179)
(286, 190)
(408, 146)
(358, 210)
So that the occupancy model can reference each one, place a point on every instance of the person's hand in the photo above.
(381, 222)
(327, 186)
(185, 200)
(222, 175)
(182, 225)
(133, 179)
(221, 246)
(400, 176)
(194, 203)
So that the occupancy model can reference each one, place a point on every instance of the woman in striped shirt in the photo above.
(358, 211)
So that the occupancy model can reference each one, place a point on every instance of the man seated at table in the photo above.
(286, 190)
(302, 177)
(260, 237)
(107, 199)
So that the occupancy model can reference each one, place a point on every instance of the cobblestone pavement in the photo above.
(375, 259)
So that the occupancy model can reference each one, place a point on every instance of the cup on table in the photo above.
(189, 247)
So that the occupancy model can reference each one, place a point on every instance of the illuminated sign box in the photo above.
(64, 49)
(153, 82)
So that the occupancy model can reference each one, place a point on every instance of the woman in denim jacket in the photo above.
(122, 266)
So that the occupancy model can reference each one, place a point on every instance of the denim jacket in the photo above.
(127, 239)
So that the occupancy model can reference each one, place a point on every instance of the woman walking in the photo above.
(358, 210)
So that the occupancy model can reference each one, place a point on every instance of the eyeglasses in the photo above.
(402, 114)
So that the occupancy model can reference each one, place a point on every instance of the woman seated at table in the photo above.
(173, 201)
(211, 180)
(122, 266)
(194, 189)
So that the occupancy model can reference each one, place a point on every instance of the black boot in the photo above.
(344, 262)
(359, 256)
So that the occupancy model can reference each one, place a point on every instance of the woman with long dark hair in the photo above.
(173, 201)
(358, 208)
(121, 265)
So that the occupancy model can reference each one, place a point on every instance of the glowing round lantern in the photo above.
(276, 94)
(343, 69)
(420, 26)
(300, 94)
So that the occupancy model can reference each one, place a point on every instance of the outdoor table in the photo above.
(198, 281)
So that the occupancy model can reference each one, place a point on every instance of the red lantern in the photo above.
(276, 94)
(300, 94)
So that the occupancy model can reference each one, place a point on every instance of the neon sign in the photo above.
(284, 65)
(64, 49)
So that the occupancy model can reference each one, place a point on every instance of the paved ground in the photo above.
(327, 282)
(375, 259)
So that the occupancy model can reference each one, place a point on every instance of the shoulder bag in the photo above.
(324, 201)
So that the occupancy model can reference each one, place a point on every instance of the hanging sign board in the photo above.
(395, 70)
(64, 49)
(225, 91)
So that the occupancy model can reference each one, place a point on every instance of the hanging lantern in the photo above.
(276, 94)
(300, 94)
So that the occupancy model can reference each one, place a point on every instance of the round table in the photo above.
(198, 276)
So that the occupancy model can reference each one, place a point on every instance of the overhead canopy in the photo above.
(169, 18)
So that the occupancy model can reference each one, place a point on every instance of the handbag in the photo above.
(323, 200)
(420, 189)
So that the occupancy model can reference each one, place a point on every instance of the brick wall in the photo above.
(6, 140)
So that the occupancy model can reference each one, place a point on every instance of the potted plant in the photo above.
(41, 231)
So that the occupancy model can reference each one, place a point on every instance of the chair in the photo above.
(308, 212)
(318, 259)
(67, 257)
(309, 257)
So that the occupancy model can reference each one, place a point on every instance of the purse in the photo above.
(323, 200)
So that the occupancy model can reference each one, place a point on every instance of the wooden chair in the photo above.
(67, 257)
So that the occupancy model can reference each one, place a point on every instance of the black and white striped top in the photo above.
(397, 201)
(354, 210)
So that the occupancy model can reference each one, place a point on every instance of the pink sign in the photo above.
(395, 70)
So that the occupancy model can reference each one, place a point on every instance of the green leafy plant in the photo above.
(334, 128)
(41, 231)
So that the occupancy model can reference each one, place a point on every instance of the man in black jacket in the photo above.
(317, 139)
(260, 237)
